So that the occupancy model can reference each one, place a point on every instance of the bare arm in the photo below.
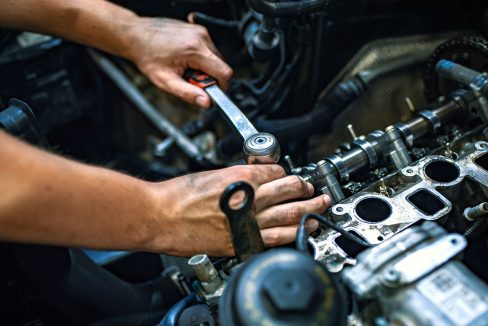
(100, 24)
(161, 48)
(51, 200)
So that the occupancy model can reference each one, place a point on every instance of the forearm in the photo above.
(51, 200)
(90, 22)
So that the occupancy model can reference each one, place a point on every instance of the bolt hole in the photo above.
(409, 171)
(380, 238)
(339, 209)
(454, 241)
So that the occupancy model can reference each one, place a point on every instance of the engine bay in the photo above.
(379, 104)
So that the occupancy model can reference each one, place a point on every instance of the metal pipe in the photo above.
(206, 273)
(137, 98)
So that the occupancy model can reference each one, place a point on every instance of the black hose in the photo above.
(205, 20)
(295, 129)
(288, 8)
(302, 234)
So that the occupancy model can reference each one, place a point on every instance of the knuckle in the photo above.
(227, 73)
(293, 214)
(273, 238)
(201, 30)
(278, 171)
(244, 173)
(192, 45)
(297, 184)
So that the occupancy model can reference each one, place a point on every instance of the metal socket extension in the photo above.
(206, 273)
(259, 147)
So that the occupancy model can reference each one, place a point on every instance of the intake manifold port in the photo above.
(373, 210)
(442, 171)
(426, 202)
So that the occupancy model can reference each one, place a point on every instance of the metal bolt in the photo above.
(391, 276)
(410, 105)
(339, 209)
(448, 152)
(471, 213)
(352, 132)
(409, 170)
(289, 162)
(383, 188)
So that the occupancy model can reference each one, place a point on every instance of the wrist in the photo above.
(155, 229)
(133, 37)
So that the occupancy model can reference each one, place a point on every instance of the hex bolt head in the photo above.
(290, 291)
(391, 276)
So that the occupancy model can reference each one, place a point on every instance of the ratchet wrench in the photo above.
(259, 147)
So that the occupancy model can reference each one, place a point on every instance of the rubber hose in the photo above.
(171, 318)
(289, 8)
(314, 122)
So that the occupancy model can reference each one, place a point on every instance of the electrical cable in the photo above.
(301, 242)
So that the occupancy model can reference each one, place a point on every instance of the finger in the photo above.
(283, 235)
(261, 174)
(291, 213)
(211, 64)
(278, 191)
(174, 84)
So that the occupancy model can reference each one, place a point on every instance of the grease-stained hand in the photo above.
(199, 226)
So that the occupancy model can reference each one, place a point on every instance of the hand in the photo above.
(164, 48)
(195, 223)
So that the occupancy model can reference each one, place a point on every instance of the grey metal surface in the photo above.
(416, 280)
(206, 273)
(233, 114)
(398, 149)
(259, 148)
(404, 211)
(137, 98)
(262, 148)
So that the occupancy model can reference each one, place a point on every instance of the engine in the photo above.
(378, 247)
(382, 105)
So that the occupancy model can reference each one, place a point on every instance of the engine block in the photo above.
(425, 190)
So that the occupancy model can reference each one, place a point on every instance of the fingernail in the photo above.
(310, 189)
(327, 200)
(201, 101)
(312, 225)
